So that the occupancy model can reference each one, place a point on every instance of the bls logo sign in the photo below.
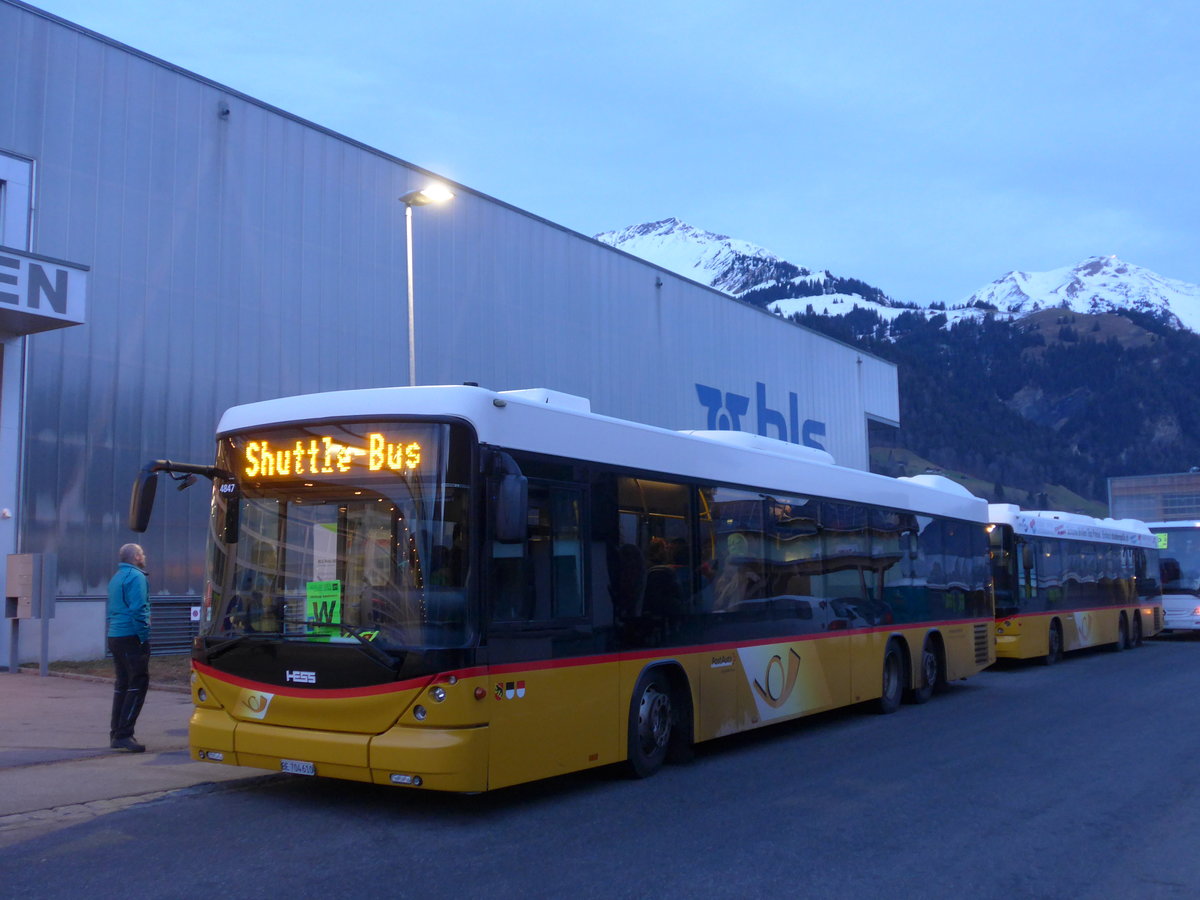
(726, 409)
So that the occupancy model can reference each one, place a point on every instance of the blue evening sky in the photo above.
(926, 147)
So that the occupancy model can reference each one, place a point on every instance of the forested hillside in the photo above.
(1067, 400)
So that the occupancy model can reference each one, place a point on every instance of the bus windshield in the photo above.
(1179, 558)
(348, 533)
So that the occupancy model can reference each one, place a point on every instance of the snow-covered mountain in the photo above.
(750, 273)
(744, 270)
(1097, 285)
(717, 260)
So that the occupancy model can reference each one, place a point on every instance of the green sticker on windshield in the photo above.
(324, 606)
(1162, 539)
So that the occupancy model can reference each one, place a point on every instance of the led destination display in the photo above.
(339, 451)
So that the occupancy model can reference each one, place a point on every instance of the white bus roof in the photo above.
(556, 424)
(1073, 526)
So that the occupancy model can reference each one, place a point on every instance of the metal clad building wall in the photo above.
(597, 325)
(222, 251)
(880, 391)
(248, 255)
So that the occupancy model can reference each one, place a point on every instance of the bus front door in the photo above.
(553, 709)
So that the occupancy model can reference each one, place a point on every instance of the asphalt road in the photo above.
(1081, 780)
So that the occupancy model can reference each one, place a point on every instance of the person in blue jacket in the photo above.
(129, 643)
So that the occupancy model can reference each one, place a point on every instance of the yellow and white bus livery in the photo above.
(1065, 581)
(457, 589)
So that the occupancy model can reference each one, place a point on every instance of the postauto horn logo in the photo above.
(726, 411)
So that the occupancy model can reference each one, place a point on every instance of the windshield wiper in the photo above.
(230, 643)
(380, 656)
(360, 634)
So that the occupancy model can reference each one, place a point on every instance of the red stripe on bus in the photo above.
(1067, 612)
(671, 652)
(564, 663)
(316, 693)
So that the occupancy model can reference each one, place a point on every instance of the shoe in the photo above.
(127, 743)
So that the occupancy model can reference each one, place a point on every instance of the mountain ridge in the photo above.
(1036, 381)
(1097, 284)
(751, 273)
(738, 268)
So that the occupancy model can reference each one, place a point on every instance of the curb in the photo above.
(61, 816)
(100, 679)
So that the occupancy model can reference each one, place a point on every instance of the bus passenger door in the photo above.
(550, 712)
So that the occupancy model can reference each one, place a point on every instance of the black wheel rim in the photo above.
(929, 665)
(654, 721)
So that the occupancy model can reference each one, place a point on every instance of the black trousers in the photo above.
(131, 660)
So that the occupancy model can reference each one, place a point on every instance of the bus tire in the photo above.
(1122, 635)
(1055, 644)
(650, 721)
(893, 679)
(929, 674)
(1136, 639)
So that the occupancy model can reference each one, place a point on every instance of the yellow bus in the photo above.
(1065, 581)
(455, 589)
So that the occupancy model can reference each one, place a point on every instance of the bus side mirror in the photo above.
(141, 501)
(1026, 557)
(512, 503)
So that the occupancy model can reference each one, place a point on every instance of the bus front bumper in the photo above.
(1010, 646)
(445, 759)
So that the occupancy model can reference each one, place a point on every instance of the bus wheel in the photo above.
(1056, 645)
(649, 724)
(930, 674)
(893, 679)
(1136, 640)
(1122, 635)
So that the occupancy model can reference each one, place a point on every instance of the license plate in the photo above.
(298, 767)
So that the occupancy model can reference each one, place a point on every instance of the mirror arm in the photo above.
(141, 501)
(165, 465)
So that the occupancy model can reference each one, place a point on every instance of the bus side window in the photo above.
(541, 578)
(564, 586)
(652, 574)
(1051, 579)
(509, 597)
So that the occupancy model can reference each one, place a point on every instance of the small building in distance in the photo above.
(1155, 498)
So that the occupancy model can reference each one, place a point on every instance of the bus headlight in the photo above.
(420, 713)
(438, 693)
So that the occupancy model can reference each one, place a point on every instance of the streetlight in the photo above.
(434, 193)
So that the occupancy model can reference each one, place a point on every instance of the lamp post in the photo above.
(434, 193)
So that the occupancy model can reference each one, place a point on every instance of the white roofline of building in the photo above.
(232, 92)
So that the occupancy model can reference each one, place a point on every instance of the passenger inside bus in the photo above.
(737, 581)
